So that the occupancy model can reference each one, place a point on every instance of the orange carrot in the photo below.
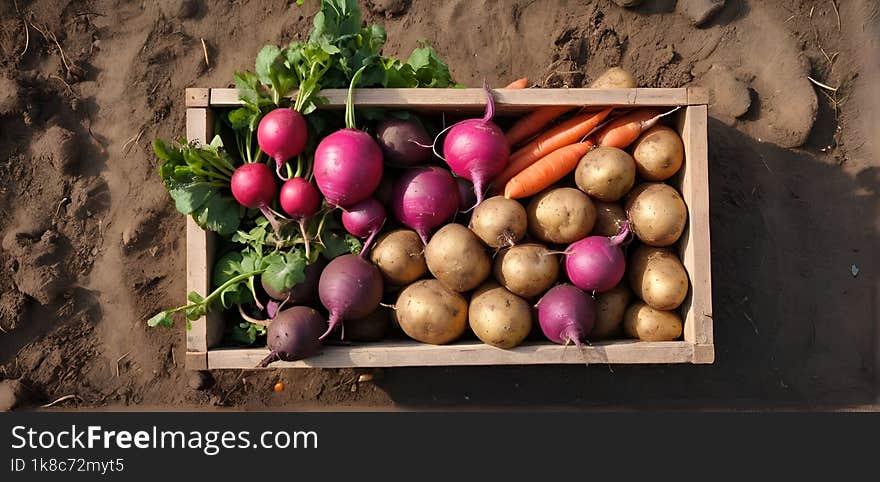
(622, 131)
(546, 171)
(568, 132)
(518, 83)
(532, 123)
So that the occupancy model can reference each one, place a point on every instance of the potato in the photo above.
(614, 78)
(606, 173)
(609, 219)
(400, 257)
(527, 270)
(499, 317)
(371, 328)
(657, 212)
(647, 324)
(457, 258)
(657, 277)
(561, 216)
(658, 153)
(429, 312)
(499, 221)
(610, 308)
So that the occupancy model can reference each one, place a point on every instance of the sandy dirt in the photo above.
(92, 245)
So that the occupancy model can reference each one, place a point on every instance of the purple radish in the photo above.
(300, 200)
(477, 149)
(253, 186)
(597, 263)
(466, 197)
(405, 143)
(350, 288)
(424, 198)
(364, 220)
(566, 315)
(348, 163)
(383, 192)
(293, 335)
(282, 134)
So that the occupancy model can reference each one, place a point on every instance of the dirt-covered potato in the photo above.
(614, 78)
(657, 277)
(657, 212)
(647, 324)
(658, 153)
(371, 328)
(499, 221)
(610, 308)
(429, 312)
(457, 258)
(609, 219)
(499, 317)
(527, 270)
(606, 173)
(563, 215)
(399, 255)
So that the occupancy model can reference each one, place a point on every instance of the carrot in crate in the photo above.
(621, 132)
(533, 122)
(567, 133)
(546, 171)
(518, 84)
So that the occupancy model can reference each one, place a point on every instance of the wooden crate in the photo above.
(697, 345)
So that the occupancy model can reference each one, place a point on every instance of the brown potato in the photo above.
(657, 277)
(499, 221)
(609, 219)
(429, 312)
(457, 258)
(527, 270)
(606, 173)
(614, 78)
(561, 216)
(610, 308)
(659, 153)
(400, 256)
(647, 324)
(657, 212)
(371, 328)
(499, 317)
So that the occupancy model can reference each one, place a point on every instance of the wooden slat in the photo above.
(196, 360)
(704, 354)
(506, 100)
(695, 241)
(207, 331)
(197, 97)
(697, 96)
(409, 353)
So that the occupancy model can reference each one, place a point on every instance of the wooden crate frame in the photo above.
(692, 181)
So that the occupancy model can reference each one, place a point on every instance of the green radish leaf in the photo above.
(161, 319)
(166, 152)
(226, 268)
(285, 270)
(194, 297)
(188, 198)
(265, 60)
(219, 214)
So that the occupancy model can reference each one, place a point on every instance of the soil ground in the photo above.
(92, 246)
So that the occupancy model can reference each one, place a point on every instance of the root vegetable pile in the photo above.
(556, 225)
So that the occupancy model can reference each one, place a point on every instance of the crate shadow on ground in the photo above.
(793, 325)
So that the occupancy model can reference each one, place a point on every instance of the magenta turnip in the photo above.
(364, 220)
(566, 314)
(253, 186)
(596, 263)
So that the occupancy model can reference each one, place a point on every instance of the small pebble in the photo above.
(699, 11)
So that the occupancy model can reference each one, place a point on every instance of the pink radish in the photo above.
(348, 163)
(282, 135)
(300, 200)
(253, 186)
(424, 198)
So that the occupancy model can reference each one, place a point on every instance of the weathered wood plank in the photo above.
(505, 99)
(197, 97)
(409, 353)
